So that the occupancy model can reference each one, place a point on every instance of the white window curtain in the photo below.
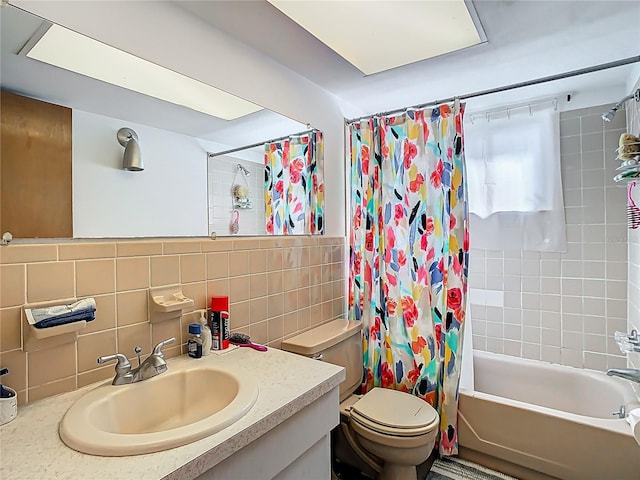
(514, 180)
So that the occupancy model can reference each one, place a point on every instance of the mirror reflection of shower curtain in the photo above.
(294, 185)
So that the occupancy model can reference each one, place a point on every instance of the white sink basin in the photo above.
(166, 411)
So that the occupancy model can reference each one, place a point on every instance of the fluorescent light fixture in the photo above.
(379, 35)
(78, 53)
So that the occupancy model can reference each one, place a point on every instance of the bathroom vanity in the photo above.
(285, 434)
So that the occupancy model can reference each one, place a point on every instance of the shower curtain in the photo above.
(409, 255)
(294, 185)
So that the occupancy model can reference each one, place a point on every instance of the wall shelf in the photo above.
(34, 339)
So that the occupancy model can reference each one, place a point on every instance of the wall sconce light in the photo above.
(132, 158)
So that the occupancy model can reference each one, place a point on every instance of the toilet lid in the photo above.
(396, 410)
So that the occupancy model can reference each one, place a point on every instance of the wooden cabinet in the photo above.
(35, 168)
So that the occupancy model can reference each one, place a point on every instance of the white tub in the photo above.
(535, 420)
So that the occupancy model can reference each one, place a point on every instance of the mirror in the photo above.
(234, 210)
(168, 198)
(282, 195)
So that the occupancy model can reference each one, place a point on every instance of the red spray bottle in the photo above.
(219, 322)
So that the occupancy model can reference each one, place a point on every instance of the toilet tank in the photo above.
(338, 342)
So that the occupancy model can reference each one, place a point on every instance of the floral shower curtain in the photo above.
(294, 185)
(409, 255)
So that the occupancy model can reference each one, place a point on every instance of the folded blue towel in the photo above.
(61, 314)
(88, 315)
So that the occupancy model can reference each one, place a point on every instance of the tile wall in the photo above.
(564, 307)
(222, 174)
(277, 288)
(633, 126)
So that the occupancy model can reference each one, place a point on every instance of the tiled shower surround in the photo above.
(633, 126)
(222, 175)
(564, 307)
(277, 287)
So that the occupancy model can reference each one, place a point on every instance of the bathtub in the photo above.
(535, 420)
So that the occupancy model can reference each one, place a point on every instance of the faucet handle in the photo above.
(123, 366)
(138, 350)
(157, 350)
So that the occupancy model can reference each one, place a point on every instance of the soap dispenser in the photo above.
(206, 333)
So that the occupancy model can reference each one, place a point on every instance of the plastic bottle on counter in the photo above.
(194, 344)
(206, 333)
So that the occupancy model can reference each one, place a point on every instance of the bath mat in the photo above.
(451, 468)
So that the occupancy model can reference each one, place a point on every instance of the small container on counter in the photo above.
(194, 344)
(206, 333)
(8, 402)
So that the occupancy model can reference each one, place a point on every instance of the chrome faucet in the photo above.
(626, 373)
(153, 365)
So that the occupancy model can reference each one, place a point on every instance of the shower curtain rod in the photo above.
(217, 154)
(513, 86)
(516, 106)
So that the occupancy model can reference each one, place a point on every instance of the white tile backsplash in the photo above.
(494, 298)
(223, 174)
(564, 307)
(477, 296)
(633, 282)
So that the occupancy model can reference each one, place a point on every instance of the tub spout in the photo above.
(626, 373)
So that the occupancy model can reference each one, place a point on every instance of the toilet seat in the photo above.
(388, 431)
(394, 413)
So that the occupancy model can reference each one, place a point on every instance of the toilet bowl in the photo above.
(396, 427)
(389, 431)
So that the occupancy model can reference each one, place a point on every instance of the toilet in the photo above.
(389, 431)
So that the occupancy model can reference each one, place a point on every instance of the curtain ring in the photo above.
(488, 117)
(509, 114)
(555, 104)
(530, 112)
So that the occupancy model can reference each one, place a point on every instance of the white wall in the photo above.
(167, 198)
(163, 33)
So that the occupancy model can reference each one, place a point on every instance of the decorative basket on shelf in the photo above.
(628, 152)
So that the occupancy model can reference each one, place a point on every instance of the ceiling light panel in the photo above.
(72, 51)
(379, 35)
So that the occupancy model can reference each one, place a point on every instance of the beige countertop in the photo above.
(30, 447)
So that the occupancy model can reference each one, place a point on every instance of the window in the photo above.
(515, 187)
